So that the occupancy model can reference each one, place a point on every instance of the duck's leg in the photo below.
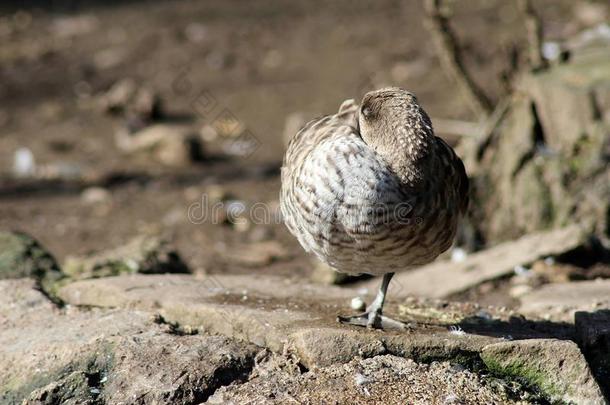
(373, 317)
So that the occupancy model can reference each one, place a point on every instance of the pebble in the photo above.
(458, 255)
(358, 304)
(95, 195)
(520, 290)
(196, 33)
(24, 164)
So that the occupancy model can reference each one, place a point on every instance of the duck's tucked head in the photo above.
(395, 126)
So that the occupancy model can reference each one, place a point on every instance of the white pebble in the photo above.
(521, 271)
(458, 255)
(551, 50)
(358, 304)
(23, 164)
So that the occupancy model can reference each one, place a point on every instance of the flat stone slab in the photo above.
(559, 301)
(273, 313)
(51, 355)
(444, 278)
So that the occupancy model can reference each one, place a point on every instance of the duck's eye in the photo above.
(367, 112)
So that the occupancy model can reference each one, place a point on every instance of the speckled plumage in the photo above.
(371, 189)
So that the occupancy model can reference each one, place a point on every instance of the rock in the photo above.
(23, 256)
(96, 356)
(208, 133)
(520, 290)
(128, 99)
(560, 301)
(556, 367)
(72, 26)
(196, 32)
(24, 164)
(545, 165)
(72, 389)
(276, 313)
(95, 195)
(183, 370)
(593, 334)
(379, 380)
(317, 347)
(593, 328)
(443, 278)
(118, 96)
(357, 304)
(171, 145)
(143, 254)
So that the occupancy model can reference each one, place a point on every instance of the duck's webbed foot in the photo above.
(372, 320)
(373, 317)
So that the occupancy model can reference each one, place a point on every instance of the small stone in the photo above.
(23, 163)
(172, 145)
(115, 100)
(95, 195)
(134, 102)
(458, 255)
(72, 26)
(196, 33)
(208, 133)
(519, 290)
(358, 304)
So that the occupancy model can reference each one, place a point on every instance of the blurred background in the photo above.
(125, 118)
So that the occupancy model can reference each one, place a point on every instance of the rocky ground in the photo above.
(142, 259)
(134, 328)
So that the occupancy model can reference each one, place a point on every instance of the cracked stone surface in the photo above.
(233, 339)
(270, 312)
(50, 355)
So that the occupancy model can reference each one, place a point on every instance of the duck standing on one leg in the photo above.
(372, 190)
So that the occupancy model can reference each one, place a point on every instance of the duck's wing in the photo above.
(336, 191)
(455, 179)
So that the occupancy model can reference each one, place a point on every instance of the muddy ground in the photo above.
(259, 61)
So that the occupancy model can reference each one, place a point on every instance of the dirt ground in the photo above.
(258, 60)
